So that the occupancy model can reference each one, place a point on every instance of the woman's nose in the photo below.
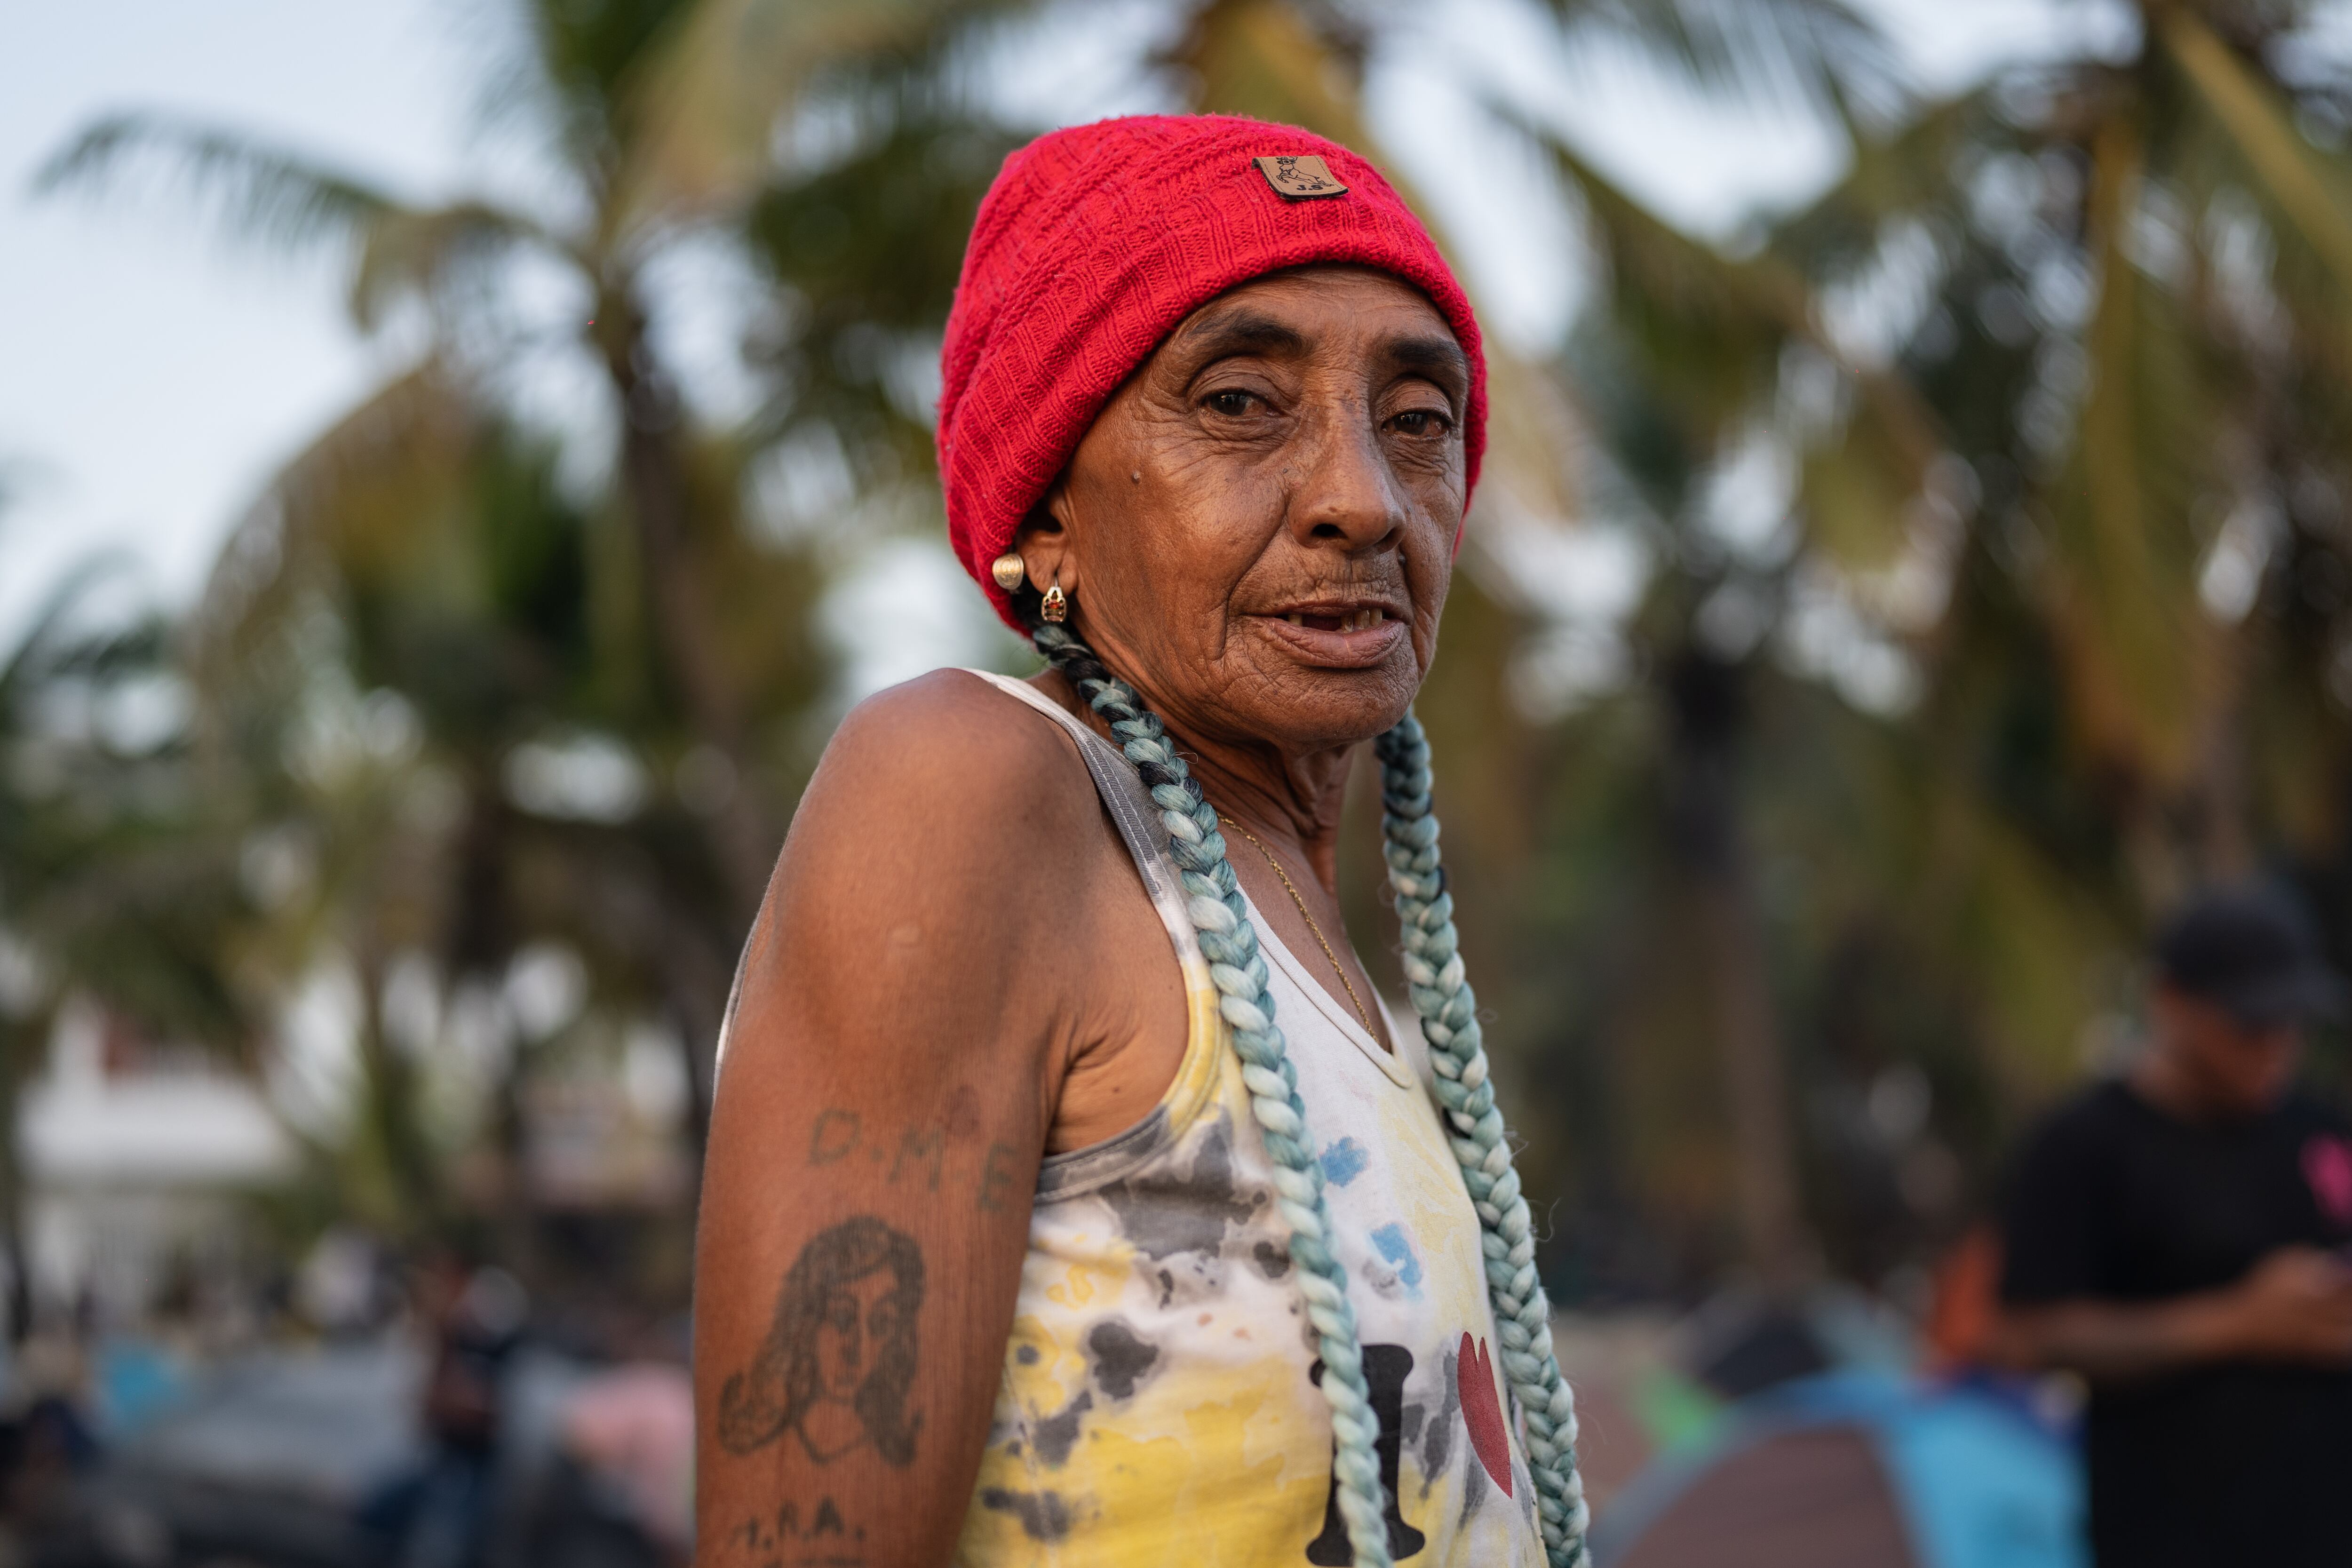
(1343, 490)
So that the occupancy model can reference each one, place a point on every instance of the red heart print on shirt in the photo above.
(1482, 1411)
(2327, 1166)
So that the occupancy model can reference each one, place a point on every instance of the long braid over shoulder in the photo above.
(1448, 1013)
(1458, 1056)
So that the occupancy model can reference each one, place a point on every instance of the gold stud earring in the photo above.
(1009, 570)
(1056, 607)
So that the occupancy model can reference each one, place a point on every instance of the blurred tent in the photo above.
(1857, 1470)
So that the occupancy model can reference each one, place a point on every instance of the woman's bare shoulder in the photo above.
(939, 788)
(949, 753)
(930, 859)
(951, 708)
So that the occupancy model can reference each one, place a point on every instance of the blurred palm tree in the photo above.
(658, 123)
(117, 885)
(2049, 400)
(428, 557)
(2120, 279)
(2124, 280)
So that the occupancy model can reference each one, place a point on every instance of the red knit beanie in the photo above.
(1090, 247)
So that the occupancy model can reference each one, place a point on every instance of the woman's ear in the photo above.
(1044, 539)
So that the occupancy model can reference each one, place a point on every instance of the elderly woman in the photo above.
(1072, 1198)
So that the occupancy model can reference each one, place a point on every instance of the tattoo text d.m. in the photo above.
(919, 1153)
(840, 1355)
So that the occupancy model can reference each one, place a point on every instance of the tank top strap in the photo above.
(1130, 807)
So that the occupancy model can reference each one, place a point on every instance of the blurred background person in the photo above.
(621, 1492)
(2175, 1236)
(442, 1513)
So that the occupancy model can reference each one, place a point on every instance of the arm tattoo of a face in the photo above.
(839, 1358)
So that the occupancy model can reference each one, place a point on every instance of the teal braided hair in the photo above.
(1449, 1020)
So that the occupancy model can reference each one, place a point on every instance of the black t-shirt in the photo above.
(2115, 1200)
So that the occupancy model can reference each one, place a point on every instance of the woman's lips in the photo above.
(1337, 636)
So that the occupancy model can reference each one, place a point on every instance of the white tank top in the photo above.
(1159, 1402)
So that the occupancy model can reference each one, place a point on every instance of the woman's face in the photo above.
(861, 1318)
(1260, 525)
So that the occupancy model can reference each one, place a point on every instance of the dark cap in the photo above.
(2251, 953)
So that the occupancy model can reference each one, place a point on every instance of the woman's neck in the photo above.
(1291, 800)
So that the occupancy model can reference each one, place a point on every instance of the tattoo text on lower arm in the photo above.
(797, 1537)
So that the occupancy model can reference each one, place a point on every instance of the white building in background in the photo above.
(140, 1159)
(134, 1158)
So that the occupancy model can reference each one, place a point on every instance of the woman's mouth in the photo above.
(1337, 636)
(1342, 621)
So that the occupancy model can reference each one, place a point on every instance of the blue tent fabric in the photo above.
(1977, 1483)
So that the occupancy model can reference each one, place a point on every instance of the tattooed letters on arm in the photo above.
(795, 1537)
(839, 1359)
(919, 1154)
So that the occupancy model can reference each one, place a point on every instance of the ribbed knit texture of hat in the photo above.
(1093, 244)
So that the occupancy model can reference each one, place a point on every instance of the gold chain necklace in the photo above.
(1288, 886)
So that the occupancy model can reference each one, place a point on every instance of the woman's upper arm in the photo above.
(879, 1119)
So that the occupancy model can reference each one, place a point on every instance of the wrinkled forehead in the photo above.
(1300, 310)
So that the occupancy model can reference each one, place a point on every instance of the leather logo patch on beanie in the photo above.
(1299, 179)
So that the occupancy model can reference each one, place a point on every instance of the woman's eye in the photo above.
(1421, 422)
(1231, 404)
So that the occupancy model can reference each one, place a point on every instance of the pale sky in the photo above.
(154, 376)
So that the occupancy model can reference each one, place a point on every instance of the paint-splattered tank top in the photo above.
(1159, 1402)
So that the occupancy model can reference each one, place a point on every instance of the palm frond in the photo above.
(361, 488)
(408, 251)
(37, 647)
(1262, 58)
(706, 105)
(2124, 545)
(2288, 169)
(271, 197)
(1711, 332)
(1857, 487)
(1803, 54)
(1894, 177)
(142, 921)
